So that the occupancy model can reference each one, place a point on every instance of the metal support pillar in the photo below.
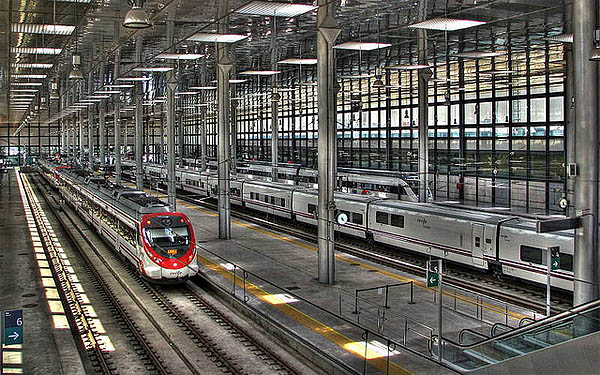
(203, 136)
(171, 86)
(63, 106)
(117, 115)
(224, 103)
(81, 130)
(327, 32)
(274, 105)
(91, 122)
(161, 134)
(424, 76)
(139, 120)
(102, 118)
(180, 136)
(569, 110)
(233, 157)
(586, 258)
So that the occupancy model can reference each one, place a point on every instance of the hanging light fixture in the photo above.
(136, 17)
(75, 73)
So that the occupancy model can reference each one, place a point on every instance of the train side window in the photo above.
(357, 218)
(312, 208)
(266, 199)
(251, 195)
(282, 202)
(566, 262)
(382, 217)
(402, 190)
(398, 221)
(531, 254)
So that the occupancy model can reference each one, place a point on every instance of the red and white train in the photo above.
(160, 243)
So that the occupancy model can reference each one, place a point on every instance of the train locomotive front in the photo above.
(169, 247)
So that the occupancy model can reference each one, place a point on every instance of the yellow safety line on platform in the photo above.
(357, 349)
(492, 308)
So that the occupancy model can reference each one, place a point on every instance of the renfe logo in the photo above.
(423, 221)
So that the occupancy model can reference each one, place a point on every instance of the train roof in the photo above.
(270, 184)
(348, 197)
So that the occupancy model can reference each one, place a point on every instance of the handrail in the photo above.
(469, 330)
(551, 319)
(496, 325)
(524, 320)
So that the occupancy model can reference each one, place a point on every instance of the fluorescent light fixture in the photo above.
(235, 80)
(408, 67)
(107, 92)
(99, 97)
(134, 79)
(362, 46)
(479, 54)
(498, 72)
(446, 24)
(561, 38)
(203, 88)
(74, 1)
(90, 100)
(216, 38)
(157, 69)
(357, 76)
(29, 76)
(23, 96)
(23, 90)
(26, 83)
(34, 28)
(260, 72)
(32, 66)
(298, 61)
(286, 90)
(36, 51)
(187, 93)
(179, 56)
(275, 9)
(119, 86)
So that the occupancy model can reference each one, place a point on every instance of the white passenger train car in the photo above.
(355, 207)
(269, 197)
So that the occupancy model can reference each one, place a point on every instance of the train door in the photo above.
(477, 240)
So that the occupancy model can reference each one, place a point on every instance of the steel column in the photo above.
(586, 259)
(233, 157)
(569, 108)
(203, 136)
(102, 117)
(171, 86)
(139, 120)
(91, 121)
(117, 107)
(424, 75)
(81, 129)
(274, 104)
(223, 68)
(161, 134)
(327, 31)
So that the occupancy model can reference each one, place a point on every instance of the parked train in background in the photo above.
(158, 242)
(498, 243)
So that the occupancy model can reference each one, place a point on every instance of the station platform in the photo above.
(26, 283)
(385, 327)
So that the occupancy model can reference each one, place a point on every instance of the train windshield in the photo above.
(169, 242)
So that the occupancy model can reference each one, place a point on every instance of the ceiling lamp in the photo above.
(275, 9)
(75, 73)
(179, 56)
(298, 61)
(260, 72)
(362, 46)
(378, 83)
(217, 38)
(137, 17)
(446, 24)
(595, 55)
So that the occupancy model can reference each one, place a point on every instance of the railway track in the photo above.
(218, 357)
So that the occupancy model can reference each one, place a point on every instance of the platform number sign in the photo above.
(12, 327)
(555, 257)
(433, 276)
